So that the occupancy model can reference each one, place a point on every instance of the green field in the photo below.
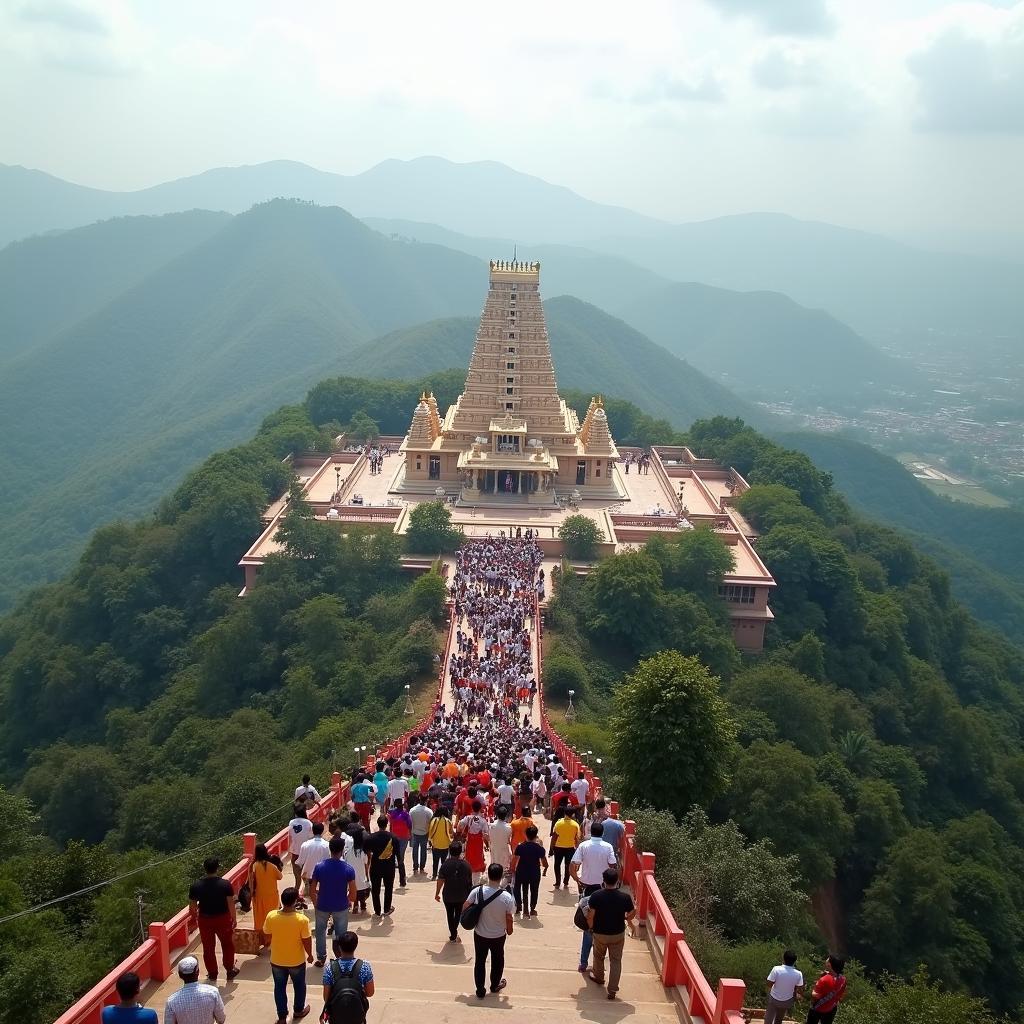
(971, 494)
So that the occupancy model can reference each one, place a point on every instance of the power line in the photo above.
(139, 870)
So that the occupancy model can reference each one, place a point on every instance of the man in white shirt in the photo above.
(307, 792)
(592, 857)
(421, 816)
(506, 794)
(398, 789)
(300, 828)
(312, 852)
(499, 838)
(581, 789)
(785, 986)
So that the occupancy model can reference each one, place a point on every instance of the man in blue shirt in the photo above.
(614, 832)
(128, 1011)
(332, 890)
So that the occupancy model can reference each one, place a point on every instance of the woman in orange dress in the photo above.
(263, 878)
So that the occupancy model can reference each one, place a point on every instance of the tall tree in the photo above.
(673, 736)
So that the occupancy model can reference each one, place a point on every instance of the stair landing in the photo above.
(418, 972)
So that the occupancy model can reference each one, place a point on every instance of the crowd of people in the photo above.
(483, 797)
(494, 590)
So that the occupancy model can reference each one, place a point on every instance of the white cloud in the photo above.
(782, 17)
(786, 67)
(970, 76)
(92, 37)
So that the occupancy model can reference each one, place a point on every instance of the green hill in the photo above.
(592, 351)
(764, 344)
(101, 418)
(980, 548)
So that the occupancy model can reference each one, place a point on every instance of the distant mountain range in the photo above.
(880, 286)
(798, 353)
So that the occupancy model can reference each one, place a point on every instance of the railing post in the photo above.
(160, 968)
(729, 999)
(336, 781)
(644, 877)
(613, 809)
(249, 845)
(672, 970)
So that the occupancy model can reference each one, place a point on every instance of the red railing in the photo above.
(152, 960)
(679, 967)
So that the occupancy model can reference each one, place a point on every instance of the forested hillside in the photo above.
(592, 351)
(979, 547)
(144, 708)
(877, 742)
(870, 758)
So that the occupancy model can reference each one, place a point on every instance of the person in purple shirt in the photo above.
(332, 891)
(128, 1011)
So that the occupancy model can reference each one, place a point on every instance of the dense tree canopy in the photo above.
(672, 735)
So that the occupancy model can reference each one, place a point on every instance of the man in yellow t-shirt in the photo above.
(565, 837)
(290, 950)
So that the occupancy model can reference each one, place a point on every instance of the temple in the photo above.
(510, 436)
(509, 455)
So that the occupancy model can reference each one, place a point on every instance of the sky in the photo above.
(894, 115)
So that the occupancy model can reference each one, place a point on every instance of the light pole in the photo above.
(570, 711)
(337, 481)
(408, 701)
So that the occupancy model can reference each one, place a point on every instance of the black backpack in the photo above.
(347, 1003)
(470, 916)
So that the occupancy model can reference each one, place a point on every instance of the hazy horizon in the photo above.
(903, 118)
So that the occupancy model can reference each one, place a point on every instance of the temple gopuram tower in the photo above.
(510, 436)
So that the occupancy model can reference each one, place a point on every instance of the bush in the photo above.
(581, 535)
(430, 529)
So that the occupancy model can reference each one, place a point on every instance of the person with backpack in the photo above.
(454, 884)
(348, 983)
(828, 992)
(488, 910)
